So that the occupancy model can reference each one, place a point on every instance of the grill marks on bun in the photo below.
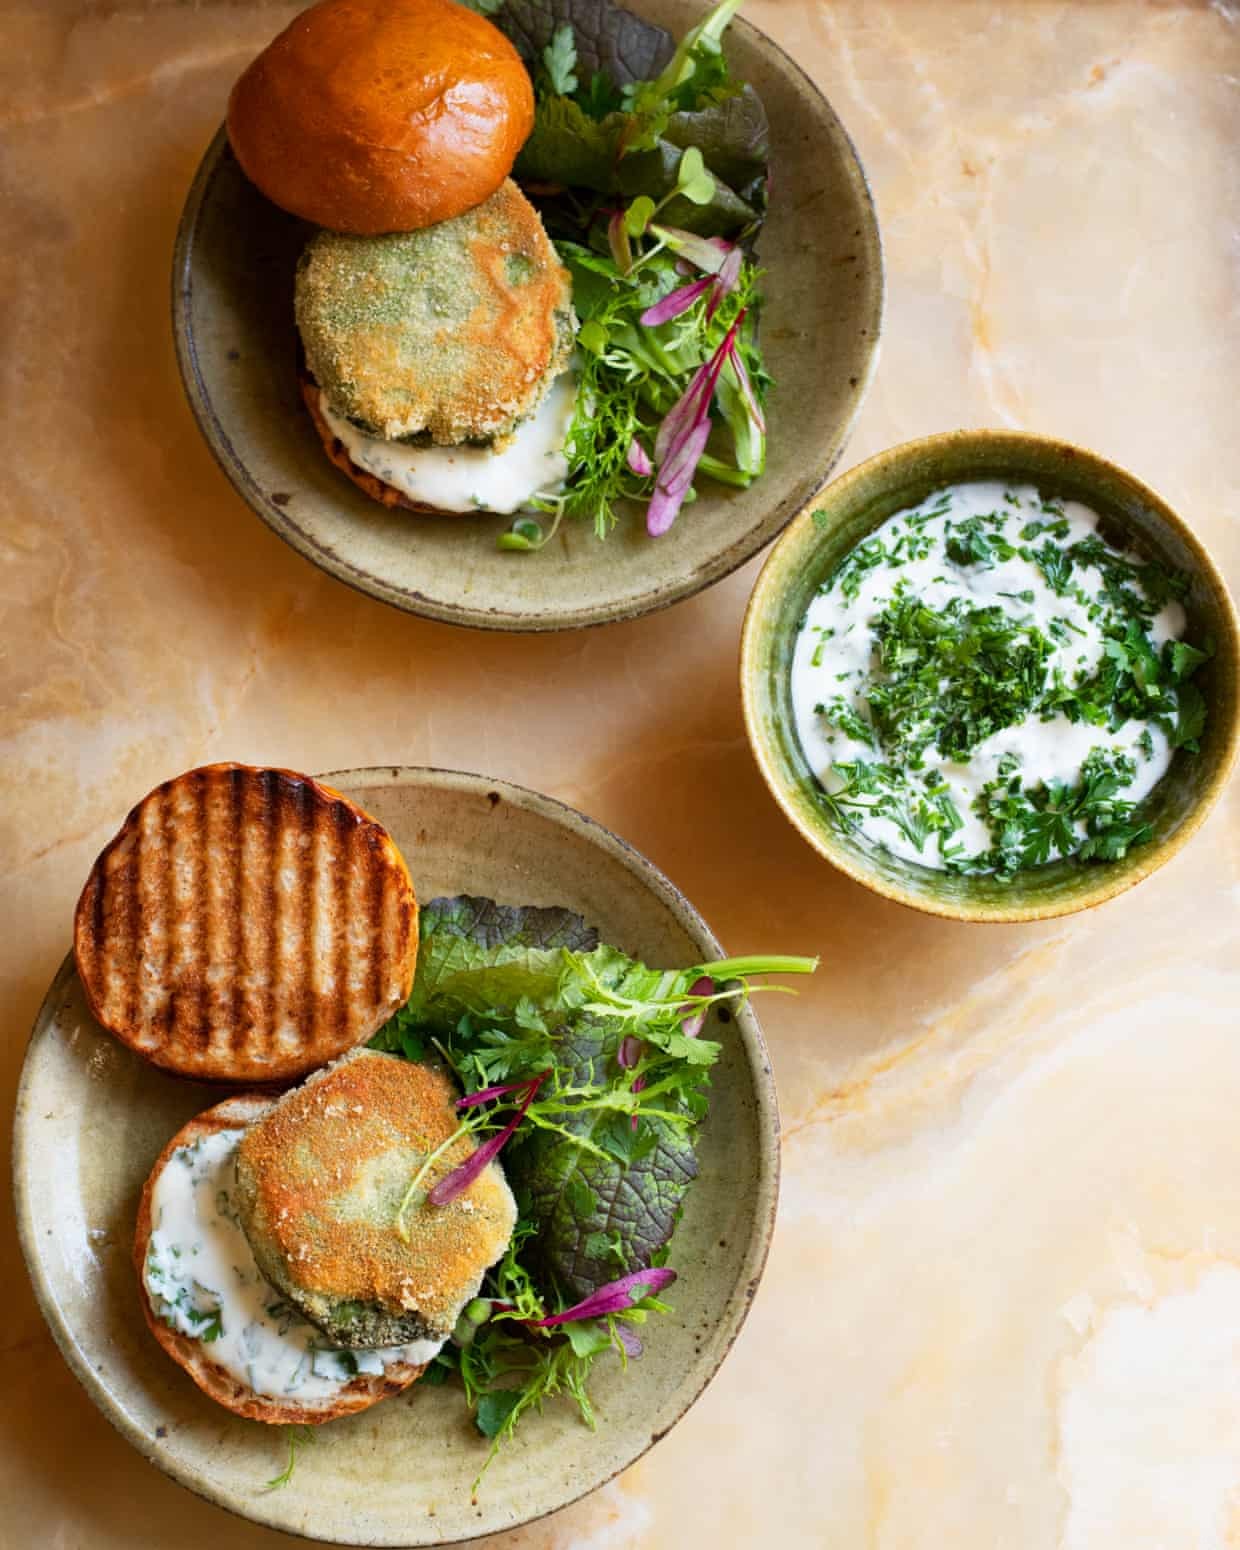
(246, 925)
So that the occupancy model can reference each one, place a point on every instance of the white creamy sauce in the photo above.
(473, 478)
(202, 1281)
(835, 656)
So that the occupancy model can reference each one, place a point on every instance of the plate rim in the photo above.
(767, 1120)
(332, 563)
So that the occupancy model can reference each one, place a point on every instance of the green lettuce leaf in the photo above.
(460, 936)
(610, 40)
(567, 146)
(600, 1217)
(475, 955)
(513, 988)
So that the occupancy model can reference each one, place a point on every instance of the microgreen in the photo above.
(635, 177)
(296, 1437)
(592, 1071)
(633, 373)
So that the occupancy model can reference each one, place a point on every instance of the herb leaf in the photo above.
(559, 59)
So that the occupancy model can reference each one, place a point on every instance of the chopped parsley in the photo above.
(1032, 826)
(960, 620)
(951, 676)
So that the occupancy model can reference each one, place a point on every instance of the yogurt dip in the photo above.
(985, 684)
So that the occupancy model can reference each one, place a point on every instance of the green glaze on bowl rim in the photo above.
(854, 505)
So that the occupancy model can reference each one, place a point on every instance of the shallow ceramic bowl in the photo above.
(232, 301)
(92, 1118)
(852, 507)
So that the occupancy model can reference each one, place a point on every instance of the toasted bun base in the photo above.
(246, 925)
(372, 116)
(338, 454)
(358, 1394)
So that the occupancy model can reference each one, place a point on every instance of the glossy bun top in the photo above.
(372, 116)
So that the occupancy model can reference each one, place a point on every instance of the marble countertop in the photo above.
(1003, 1304)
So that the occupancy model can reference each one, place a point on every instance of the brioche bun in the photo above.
(372, 116)
(195, 1355)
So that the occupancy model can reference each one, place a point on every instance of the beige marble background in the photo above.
(1003, 1306)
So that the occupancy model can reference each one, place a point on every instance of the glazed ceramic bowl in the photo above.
(852, 507)
(232, 302)
(93, 1116)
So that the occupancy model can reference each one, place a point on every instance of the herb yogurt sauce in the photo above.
(464, 478)
(202, 1281)
(984, 684)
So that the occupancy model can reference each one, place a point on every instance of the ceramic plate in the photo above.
(233, 318)
(92, 1118)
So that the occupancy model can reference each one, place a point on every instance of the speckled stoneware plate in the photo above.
(861, 500)
(232, 291)
(92, 1117)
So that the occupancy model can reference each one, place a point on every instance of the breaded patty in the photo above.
(452, 333)
(320, 1181)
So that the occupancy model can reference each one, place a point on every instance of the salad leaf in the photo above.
(494, 1410)
(610, 40)
(588, 1064)
(618, 103)
(568, 146)
(559, 60)
(463, 935)
(487, 927)
(632, 373)
(735, 140)
(642, 147)
(600, 1217)
(460, 935)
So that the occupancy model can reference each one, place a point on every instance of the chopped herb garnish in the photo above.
(1034, 623)
(296, 1436)
(838, 713)
(952, 676)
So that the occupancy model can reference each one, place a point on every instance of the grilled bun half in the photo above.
(246, 925)
(195, 1356)
(371, 116)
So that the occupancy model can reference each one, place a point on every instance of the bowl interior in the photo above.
(236, 342)
(862, 500)
(93, 1117)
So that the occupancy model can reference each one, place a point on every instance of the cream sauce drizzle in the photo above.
(473, 478)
